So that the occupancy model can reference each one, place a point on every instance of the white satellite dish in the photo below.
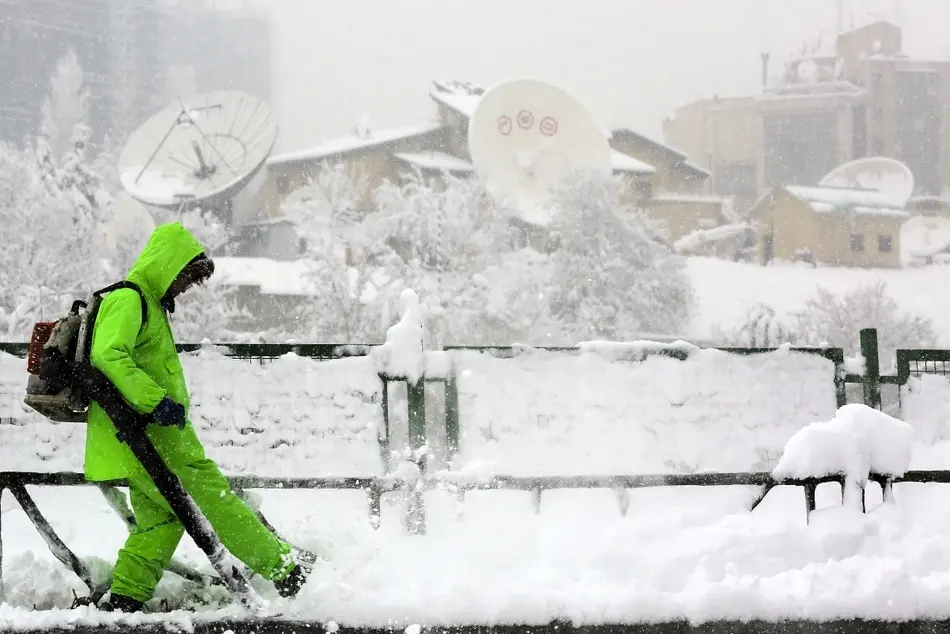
(526, 135)
(202, 150)
(880, 173)
(925, 236)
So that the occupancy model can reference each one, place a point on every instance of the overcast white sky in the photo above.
(632, 62)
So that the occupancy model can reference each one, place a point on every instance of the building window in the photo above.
(857, 242)
(736, 179)
(884, 244)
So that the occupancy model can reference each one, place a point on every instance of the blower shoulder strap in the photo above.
(126, 284)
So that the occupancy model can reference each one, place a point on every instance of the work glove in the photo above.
(168, 413)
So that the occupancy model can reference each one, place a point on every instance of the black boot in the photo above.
(119, 603)
(291, 585)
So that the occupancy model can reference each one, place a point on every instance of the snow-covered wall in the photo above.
(545, 413)
(293, 417)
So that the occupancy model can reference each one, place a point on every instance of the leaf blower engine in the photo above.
(58, 364)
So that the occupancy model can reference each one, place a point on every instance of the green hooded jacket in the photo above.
(141, 361)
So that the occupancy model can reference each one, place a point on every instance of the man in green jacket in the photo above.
(141, 360)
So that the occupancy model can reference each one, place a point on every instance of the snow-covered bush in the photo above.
(831, 319)
(761, 328)
(838, 319)
(614, 275)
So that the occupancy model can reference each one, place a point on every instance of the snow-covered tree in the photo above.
(67, 104)
(517, 301)
(347, 266)
(52, 248)
(615, 277)
(446, 231)
(331, 197)
(352, 289)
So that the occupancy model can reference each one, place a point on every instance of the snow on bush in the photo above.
(761, 328)
(838, 320)
(857, 442)
(834, 319)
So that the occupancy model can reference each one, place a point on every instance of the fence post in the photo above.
(452, 417)
(872, 368)
(416, 514)
(382, 435)
(2, 594)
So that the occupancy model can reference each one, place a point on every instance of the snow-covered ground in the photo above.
(686, 552)
(727, 290)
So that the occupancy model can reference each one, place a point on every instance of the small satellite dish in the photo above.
(202, 150)
(925, 236)
(880, 173)
(526, 135)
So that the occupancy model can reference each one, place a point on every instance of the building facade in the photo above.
(136, 56)
(866, 99)
(830, 226)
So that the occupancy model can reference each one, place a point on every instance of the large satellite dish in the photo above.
(925, 236)
(525, 136)
(880, 173)
(202, 150)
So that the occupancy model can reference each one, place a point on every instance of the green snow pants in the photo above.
(153, 541)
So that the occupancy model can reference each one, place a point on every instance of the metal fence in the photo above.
(910, 363)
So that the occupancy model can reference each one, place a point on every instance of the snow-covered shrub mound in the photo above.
(602, 412)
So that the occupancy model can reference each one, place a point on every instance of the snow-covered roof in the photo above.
(436, 161)
(832, 199)
(461, 103)
(348, 144)
(442, 161)
(688, 198)
(626, 163)
(811, 90)
(271, 277)
(619, 132)
(696, 168)
(928, 202)
(681, 158)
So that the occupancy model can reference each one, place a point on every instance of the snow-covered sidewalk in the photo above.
(692, 553)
